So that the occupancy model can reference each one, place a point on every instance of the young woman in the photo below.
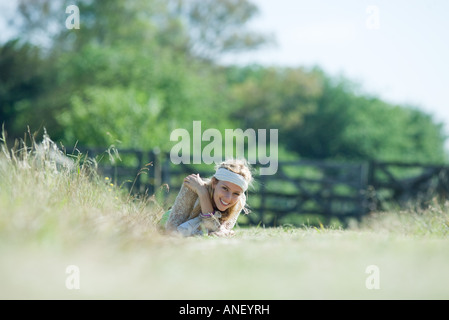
(211, 206)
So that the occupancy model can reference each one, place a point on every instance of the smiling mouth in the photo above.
(224, 203)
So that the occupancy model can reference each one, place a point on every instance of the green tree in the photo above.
(347, 125)
(324, 118)
(24, 72)
(155, 95)
(217, 27)
(130, 72)
(274, 97)
(203, 29)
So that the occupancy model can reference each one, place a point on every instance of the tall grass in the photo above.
(47, 196)
(414, 222)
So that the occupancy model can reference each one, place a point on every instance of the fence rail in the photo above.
(299, 189)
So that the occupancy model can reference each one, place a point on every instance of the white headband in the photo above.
(227, 175)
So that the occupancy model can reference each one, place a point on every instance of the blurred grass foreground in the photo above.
(67, 233)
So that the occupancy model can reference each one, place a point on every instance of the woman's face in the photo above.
(226, 194)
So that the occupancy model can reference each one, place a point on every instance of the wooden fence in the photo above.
(300, 192)
(406, 184)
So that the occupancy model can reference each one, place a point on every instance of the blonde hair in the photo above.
(241, 167)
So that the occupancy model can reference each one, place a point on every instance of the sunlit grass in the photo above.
(47, 196)
(432, 221)
(55, 213)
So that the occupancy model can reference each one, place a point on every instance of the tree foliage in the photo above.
(136, 70)
(216, 27)
(323, 118)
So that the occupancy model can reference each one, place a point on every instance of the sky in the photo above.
(397, 50)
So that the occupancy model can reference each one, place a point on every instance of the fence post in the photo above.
(365, 172)
(165, 172)
(138, 184)
(262, 198)
(152, 172)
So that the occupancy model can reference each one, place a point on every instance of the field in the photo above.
(66, 233)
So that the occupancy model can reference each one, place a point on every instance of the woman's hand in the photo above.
(195, 183)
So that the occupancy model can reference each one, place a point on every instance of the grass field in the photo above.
(56, 215)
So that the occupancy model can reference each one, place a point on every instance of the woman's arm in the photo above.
(196, 184)
(181, 209)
